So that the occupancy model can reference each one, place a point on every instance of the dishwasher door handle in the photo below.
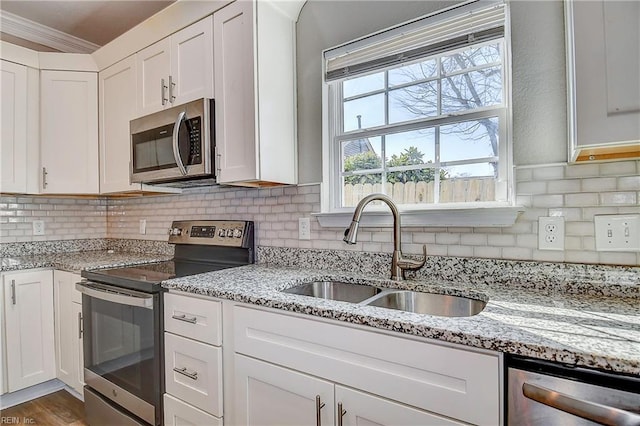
(595, 412)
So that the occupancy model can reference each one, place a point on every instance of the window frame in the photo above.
(332, 111)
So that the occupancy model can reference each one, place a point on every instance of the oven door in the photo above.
(122, 347)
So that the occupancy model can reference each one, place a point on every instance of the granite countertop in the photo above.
(78, 261)
(545, 323)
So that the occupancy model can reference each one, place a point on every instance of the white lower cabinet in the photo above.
(28, 328)
(192, 361)
(419, 382)
(291, 369)
(68, 330)
(179, 413)
(272, 396)
(362, 409)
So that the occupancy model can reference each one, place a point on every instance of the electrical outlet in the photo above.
(551, 233)
(617, 232)
(143, 226)
(304, 228)
(38, 227)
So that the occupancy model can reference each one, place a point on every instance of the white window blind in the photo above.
(470, 23)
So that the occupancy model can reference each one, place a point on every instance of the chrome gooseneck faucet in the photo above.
(399, 264)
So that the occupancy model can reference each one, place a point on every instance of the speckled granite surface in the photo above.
(66, 246)
(541, 322)
(603, 280)
(78, 261)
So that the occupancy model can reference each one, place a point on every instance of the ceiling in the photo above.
(71, 26)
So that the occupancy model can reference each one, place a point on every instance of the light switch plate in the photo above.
(551, 233)
(143, 226)
(617, 232)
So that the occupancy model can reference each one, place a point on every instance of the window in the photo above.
(420, 113)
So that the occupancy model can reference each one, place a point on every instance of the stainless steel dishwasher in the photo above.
(547, 393)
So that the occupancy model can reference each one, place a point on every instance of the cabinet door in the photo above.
(271, 395)
(234, 89)
(117, 108)
(153, 65)
(363, 409)
(68, 330)
(13, 170)
(69, 132)
(192, 63)
(178, 413)
(28, 307)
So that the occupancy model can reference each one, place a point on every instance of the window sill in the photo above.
(502, 216)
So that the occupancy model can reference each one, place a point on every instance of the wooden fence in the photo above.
(451, 191)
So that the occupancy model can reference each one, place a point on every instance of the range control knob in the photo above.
(237, 233)
(222, 233)
(229, 232)
(175, 231)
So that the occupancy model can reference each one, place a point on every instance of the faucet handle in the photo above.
(413, 265)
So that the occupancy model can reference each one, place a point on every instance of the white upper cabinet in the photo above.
(69, 132)
(14, 127)
(192, 63)
(117, 108)
(603, 45)
(177, 69)
(255, 94)
(153, 77)
(19, 127)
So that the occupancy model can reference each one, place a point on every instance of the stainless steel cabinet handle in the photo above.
(595, 412)
(341, 413)
(171, 86)
(44, 177)
(184, 318)
(163, 87)
(319, 406)
(13, 292)
(176, 148)
(184, 372)
(80, 325)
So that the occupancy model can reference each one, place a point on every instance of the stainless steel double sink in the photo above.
(403, 300)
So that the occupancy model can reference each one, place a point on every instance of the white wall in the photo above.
(539, 90)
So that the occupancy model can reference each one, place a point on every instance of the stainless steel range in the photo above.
(122, 310)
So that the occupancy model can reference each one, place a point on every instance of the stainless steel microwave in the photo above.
(173, 144)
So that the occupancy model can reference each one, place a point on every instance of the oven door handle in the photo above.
(176, 146)
(599, 413)
(116, 295)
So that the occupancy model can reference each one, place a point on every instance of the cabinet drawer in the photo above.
(193, 372)
(198, 319)
(179, 413)
(432, 377)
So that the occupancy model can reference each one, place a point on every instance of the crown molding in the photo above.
(24, 28)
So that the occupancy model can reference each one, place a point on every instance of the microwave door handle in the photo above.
(120, 296)
(176, 148)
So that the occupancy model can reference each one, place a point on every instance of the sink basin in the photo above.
(429, 303)
(335, 290)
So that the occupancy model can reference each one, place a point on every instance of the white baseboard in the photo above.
(23, 395)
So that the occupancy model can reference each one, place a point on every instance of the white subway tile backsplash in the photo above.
(622, 198)
(576, 192)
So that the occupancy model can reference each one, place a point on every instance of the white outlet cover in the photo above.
(617, 232)
(143, 226)
(551, 233)
(304, 228)
(38, 227)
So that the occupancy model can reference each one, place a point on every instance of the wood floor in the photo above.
(56, 409)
